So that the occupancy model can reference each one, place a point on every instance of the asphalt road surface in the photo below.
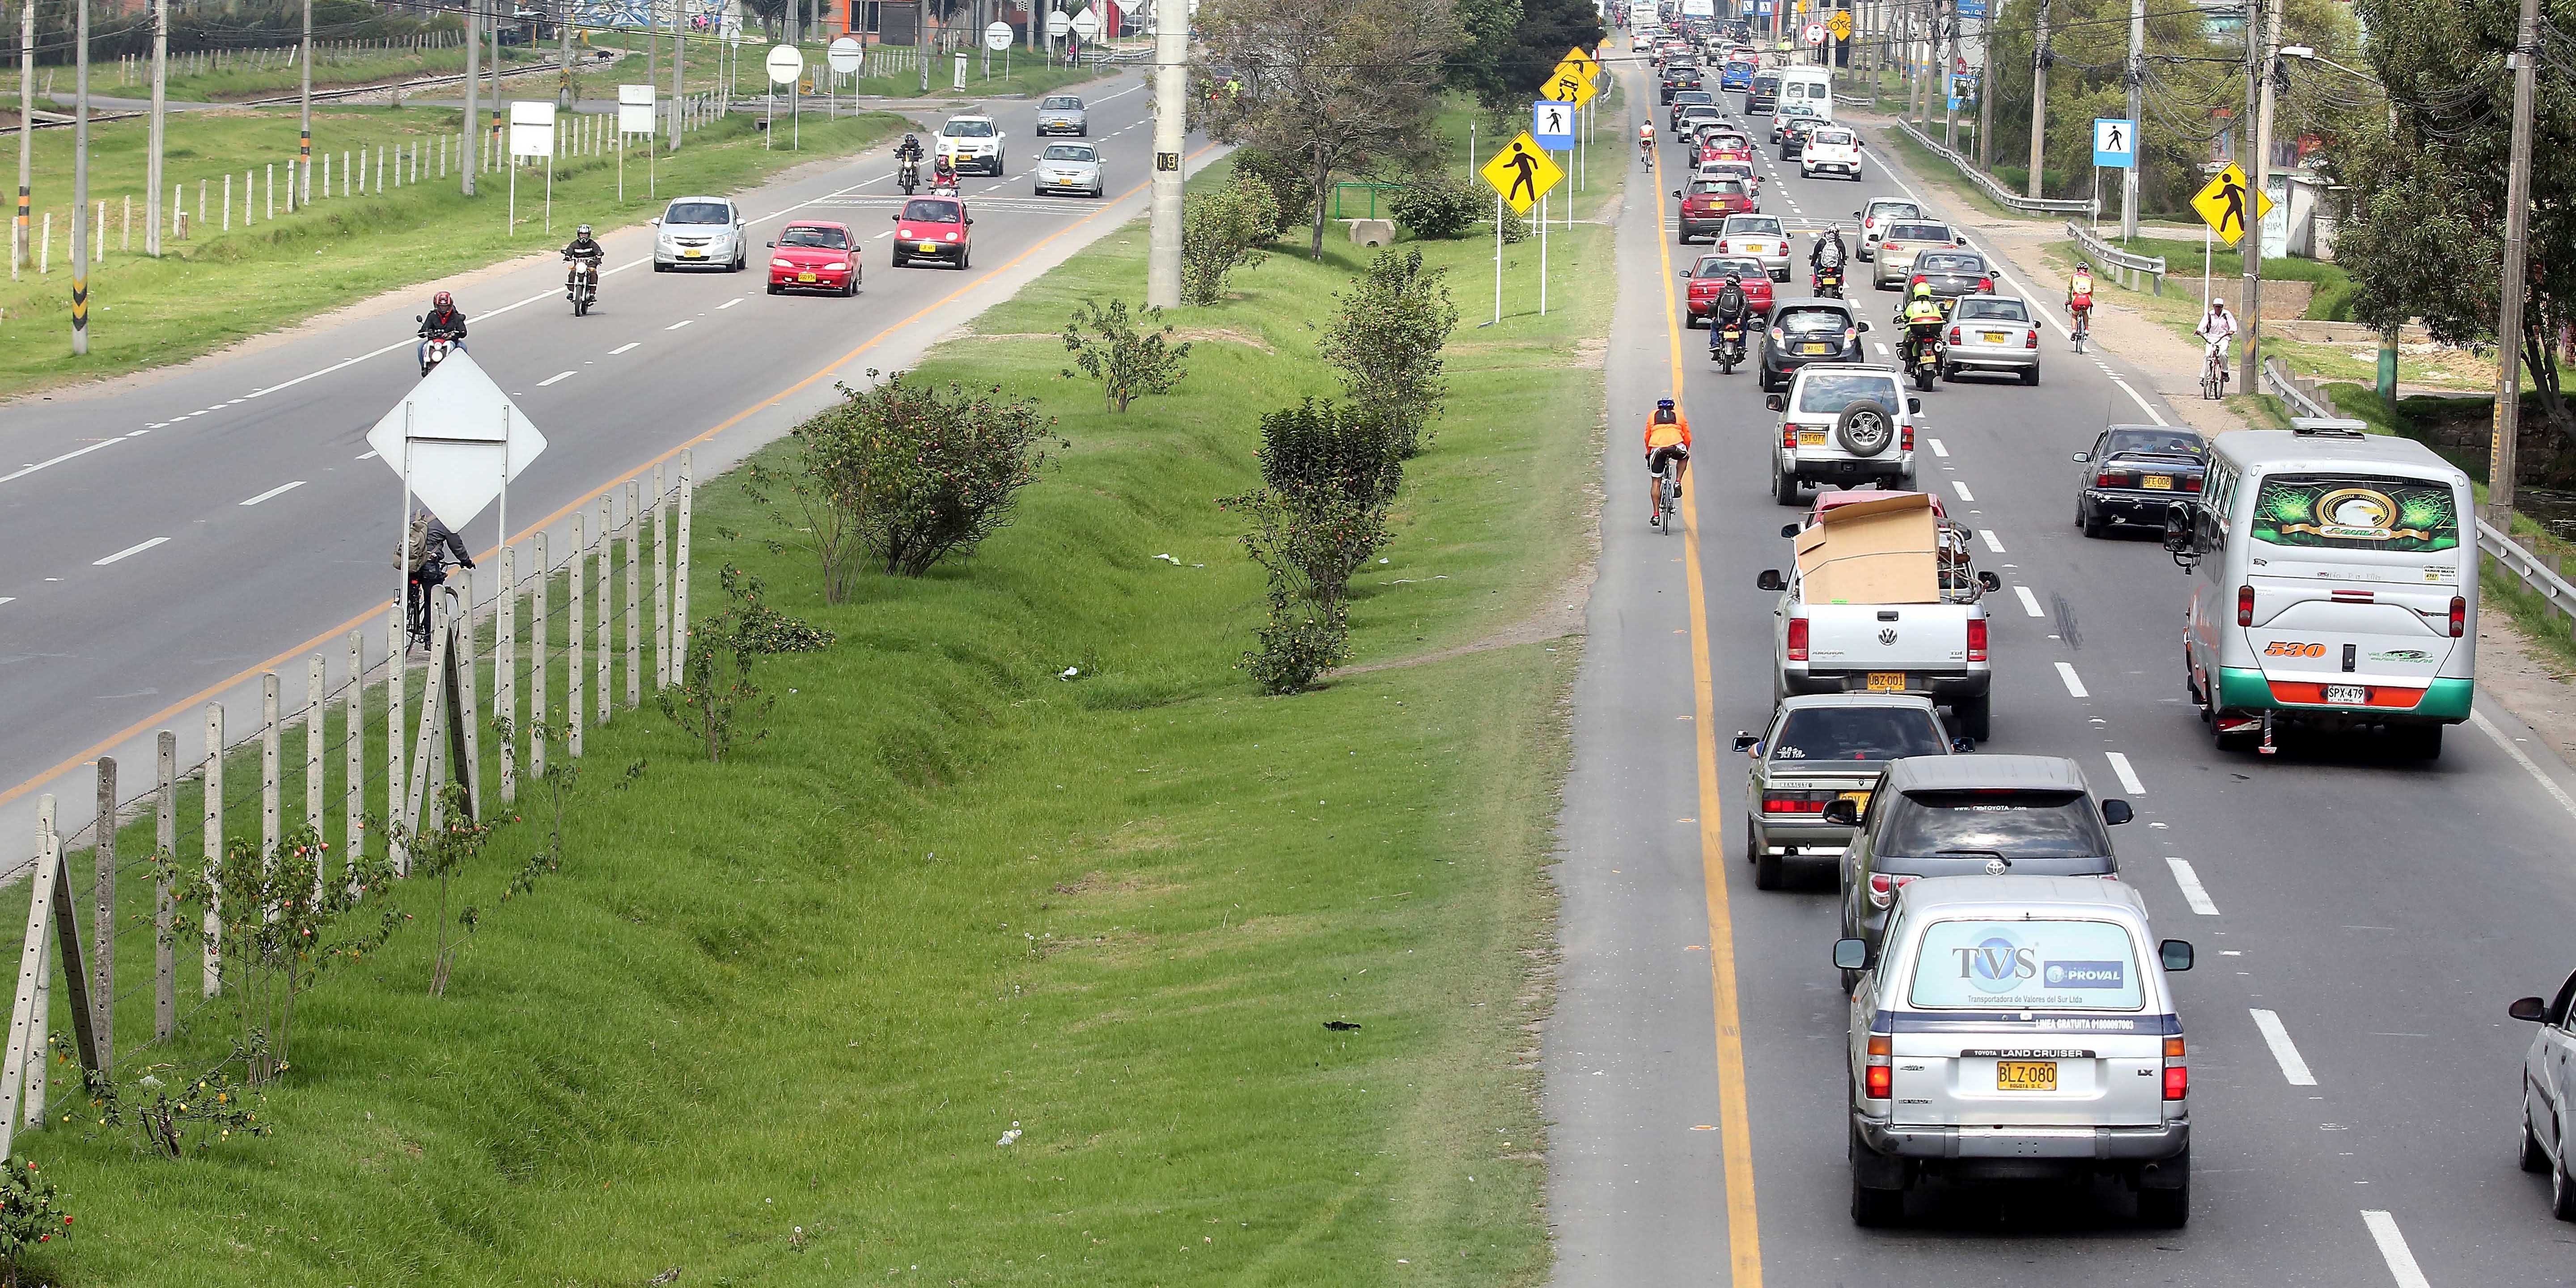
(2375, 916)
(173, 534)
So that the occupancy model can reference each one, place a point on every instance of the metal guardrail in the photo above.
(1849, 101)
(2277, 382)
(2003, 196)
(2544, 581)
(2112, 256)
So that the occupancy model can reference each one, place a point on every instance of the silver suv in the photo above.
(2018, 1028)
(1843, 423)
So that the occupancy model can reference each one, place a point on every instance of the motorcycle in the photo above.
(1924, 359)
(1729, 349)
(434, 350)
(1829, 282)
(907, 174)
(583, 289)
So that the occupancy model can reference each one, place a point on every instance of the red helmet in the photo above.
(442, 301)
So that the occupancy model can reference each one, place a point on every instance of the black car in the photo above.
(1951, 274)
(1792, 136)
(1939, 816)
(1679, 77)
(1686, 98)
(1764, 95)
(1804, 331)
(2134, 473)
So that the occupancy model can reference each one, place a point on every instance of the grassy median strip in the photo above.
(1022, 858)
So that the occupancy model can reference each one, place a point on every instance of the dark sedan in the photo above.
(1804, 331)
(1678, 78)
(2134, 473)
(1951, 274)
(1686, 98)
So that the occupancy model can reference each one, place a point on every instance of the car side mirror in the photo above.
(896, 217)
(1989, 581)
(2083, 458)
(1789, 530)
(1745, 742)
(1677, 192)
(1853, 954)
(1864, 328)
(1843, 813)
(773, 245)
(1855, 214)
(1776, 402)
(970, 219)
(1770, 580)
(1913, 406)
(1684, 274)
(2531, 1010)
(2116, 811)
(2176, 955)
(2178, 535)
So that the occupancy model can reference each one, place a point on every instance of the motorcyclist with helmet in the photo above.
(443, 322)
(1922, 318)
(907, 158)
(943, 174)
(585, 252)
(1732, 307)
(1828, 254)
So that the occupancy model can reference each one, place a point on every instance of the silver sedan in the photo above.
(1063, 114)
(1991, 333)
(1068, 167)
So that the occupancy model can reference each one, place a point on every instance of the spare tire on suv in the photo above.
(1866, 428)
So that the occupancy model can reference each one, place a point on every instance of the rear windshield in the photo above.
(1833, 392)
(1753, 226)
(2028, 965)
(1857, 733)
(1918, 232)
(1993, 310)
(1745, 268)
(1717, 188)
(698, 212)
(2012, 824)
(1832, 138)
(1062, 103)
(1895, 210)
(2356, 512)
(1766, 82)
(821, 238)
(1068, 152)
(1697, 97)
(929, 212)
(1700, 112)
(1812, 321)
(968, 129)
(2156, 442)
(1949, 264)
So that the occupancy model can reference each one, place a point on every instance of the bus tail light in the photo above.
(2245, 605)
(2459, 616)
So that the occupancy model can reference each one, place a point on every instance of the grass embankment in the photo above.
(768, 1023)
(216, 287)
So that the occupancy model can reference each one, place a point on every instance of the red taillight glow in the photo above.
(2110, 478)
(2031, 341)
(1721, 247)
(2191, 483)
(1883, 888)
(1905, 439)
(2459, 616)
(1795, 802)
(1879, 1082)
(1985, 284)
(1954, 335)
(2245, 605)
(1789, 436)
(1917, 280)
(2177, 1081)
(1976, 639)
(1797, 639)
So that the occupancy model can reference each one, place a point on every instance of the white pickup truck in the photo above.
(1863, 612)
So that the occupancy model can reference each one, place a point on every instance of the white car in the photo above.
(2017, 1028)
(1068, 167)
(1830, 148)
(1760, 237)
(1877, 215)
(699, 232)
(972, 142)
(2549, 1094)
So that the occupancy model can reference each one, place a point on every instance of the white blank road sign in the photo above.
(635, 109)
(461, 429)
(532, 129)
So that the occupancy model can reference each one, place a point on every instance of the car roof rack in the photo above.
(2327, 427)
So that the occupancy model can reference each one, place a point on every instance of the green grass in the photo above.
(1933, 170)
(952, 892)
(216, 287)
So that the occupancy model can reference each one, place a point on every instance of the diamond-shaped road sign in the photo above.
(1522, 173)
(1840, 24)
(2228, 206)
(458, 437)
(1569, 83)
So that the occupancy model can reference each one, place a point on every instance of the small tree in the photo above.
(915, 473)
(1129, 362)
(31, 1214)
(440, 852)
(1328, 473)
(195, 1113)
(826, 490)
(1386, 342)
(1219, 233)
(1291, 188)
(1433, 207)
(716, 697)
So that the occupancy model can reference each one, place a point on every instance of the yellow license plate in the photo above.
(930, 245)
(2159, 483)
(693, 254)
(2025, 1075)
(1857, 798)
(1813, 348)
(1992, 337)
(804, 277)
(1887, 681)
(1811, 438)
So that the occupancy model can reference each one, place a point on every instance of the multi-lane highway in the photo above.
(2361, 922)
(173, 534)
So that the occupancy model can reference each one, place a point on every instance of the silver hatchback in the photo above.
(1067, 167)
(2017, 1028)
(2549, 1094)
(1991, 333)
(1063, 114)
(699, 232)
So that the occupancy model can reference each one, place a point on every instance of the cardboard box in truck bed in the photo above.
(1886, 551)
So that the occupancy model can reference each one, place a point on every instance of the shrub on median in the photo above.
(1432, 207)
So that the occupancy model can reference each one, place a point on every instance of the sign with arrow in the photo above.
(1522, 173)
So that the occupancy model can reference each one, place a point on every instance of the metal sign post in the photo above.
(785, 63)
(532, 137)
(634, 116)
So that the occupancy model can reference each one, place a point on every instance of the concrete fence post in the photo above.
(397, 659)
(634, 594)
(102, 994)
(269, 770)
(39, 1020)
(315, 717)
(680, 576)
(505, 678)
(537, 641)
(468, 709)
(353, 742)
(165, 903)
(213, 779)
(420, 803)
(572, 637)
(661, 584)
(607, 553)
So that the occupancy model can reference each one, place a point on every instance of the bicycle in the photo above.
(2083, 318)
(417, 608)
(1668, 488)
(2213, 372)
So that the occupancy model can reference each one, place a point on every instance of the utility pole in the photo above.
(1171, 128)
(1986, 84)
(679, 69)
(303, 178)
(2517, 231)
(1948, 81)
(468, 151)
(19, 228)
(563, 56)
(80, 181)
(2137, 78)
(160, 107)
(2256, 176)
(2038, 97)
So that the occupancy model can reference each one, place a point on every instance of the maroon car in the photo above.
(1710, 273)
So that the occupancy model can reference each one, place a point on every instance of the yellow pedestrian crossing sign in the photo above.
(2225, 203)
(1570, 84)
(1522, 173)
(1840, 24)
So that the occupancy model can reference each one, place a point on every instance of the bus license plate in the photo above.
(2350, 695)
(2159, 483)
(2025, 1075)
(1888, 682)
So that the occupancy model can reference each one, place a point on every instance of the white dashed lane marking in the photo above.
(1962, 489)
(135, 549)
(560, 375)
(681, 323)
(275, 492)
(2128, 775)
(1937, 448)
(2074, 686)
(1988, 534)
(2192, 893)
(2393, 1249)
(624, 347)
(2277, 1036)
(2029, 601)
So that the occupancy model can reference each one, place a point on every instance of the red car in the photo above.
(1710, 274)
(1726, 147)
(1705, 205)
(814, 255)
(933, 228)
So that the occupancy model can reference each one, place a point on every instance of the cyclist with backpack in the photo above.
(427, 546)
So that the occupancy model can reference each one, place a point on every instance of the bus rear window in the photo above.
(2357, 512)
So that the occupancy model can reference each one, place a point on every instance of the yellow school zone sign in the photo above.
(1522, 173)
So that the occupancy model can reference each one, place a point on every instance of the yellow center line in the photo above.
(1734, 1118)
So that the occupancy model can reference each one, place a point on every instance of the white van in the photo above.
(1807, 91)
(2334, 585)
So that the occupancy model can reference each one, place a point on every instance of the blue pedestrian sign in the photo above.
(2115, 142)
(1552, 124)
(1762, 8)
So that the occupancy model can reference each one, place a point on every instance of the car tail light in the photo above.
(2245, 605)
(1789, 436)
(2031, 341)
(1721, 246)
(2177, 1074)
(2459, 616)
(1883, 888)
(2111, 478)
(1797, 639)
(1985, 285)
(1878, 1082)
(2191, 483)
(1869, 223)
(1905, 439)
(1954, 335)
(1795, 802)
(1976, 639)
